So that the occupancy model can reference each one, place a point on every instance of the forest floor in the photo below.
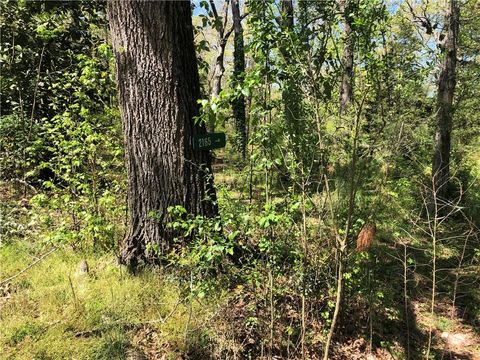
(52, 308)
(54, 311)
(454, 338)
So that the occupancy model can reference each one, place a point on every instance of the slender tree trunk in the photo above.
(219, 68)
(218, 72)
(446, 90)
(287, 10)
(238, 103)
(291, 92)
(346, 85)
(158, 88)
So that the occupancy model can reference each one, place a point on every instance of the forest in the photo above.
(240, 179)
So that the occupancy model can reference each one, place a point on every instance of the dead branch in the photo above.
(7, 280)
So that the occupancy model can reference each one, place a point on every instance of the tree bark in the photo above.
(346, 85)
(287, 10)
(218, 72)
(222, 38)
(238, 76)
(219, 69)
(445, 94)
(291, 93)
(158, 88)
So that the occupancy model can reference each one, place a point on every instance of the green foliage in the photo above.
(60, 126)
(28, 329)
(14, 150)
(290, 214)
(113, 346)
(200, 250)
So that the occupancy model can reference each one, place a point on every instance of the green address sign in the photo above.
(209, 141)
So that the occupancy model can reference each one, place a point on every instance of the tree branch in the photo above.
(7, 280)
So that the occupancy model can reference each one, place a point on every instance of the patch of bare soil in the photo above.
(458, 342)
(6, 291)
(461, 342)
(145, 345)
(358, 350)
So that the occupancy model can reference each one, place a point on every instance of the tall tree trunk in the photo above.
(346, 85)
(219, 68)
(238, 76)
(446, 90)
(287, 10)
(222, 38)
(158, 89)
(291, 94)
(218, 72)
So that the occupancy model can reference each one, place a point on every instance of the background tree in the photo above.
(238, 102)
(445, 93)
(158, 91)
(346, 85)
(291, 90)
(220, 25)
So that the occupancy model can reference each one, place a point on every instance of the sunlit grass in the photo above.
(53, 311)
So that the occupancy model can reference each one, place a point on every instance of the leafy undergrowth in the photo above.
(56, 311)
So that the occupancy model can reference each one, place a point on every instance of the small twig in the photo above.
(35, 91)
(164, 320)
(73, 291)
(24, 183)
(126, 324)
(189, 311)
(7, 280)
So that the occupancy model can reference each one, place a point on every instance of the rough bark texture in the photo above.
(158, 88)
(238, 76)
(219, 69)
(346, 85)
(222, 39)
(446, 90)
(218, 72)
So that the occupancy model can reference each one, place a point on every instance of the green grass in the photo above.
(53, 312)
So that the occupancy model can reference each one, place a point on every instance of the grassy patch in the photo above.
(53, 311)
